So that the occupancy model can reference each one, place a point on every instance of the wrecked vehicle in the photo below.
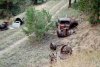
(4, 26)
(39, 1)
(64, 25)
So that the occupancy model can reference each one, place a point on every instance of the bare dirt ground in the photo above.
(85, 44)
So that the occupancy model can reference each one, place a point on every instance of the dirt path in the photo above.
(59, 10)
(10, 35)
(8, 38)
(8, 41)
(13, 46)
(56, 6)
(25, 38)
(39, 7)
(25, 53)
(84, 43)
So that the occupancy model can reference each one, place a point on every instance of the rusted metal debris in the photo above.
(62, 53)
(53, 58)
(52, 46)
(66, 50)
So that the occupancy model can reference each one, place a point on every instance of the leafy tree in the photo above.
(92, 8)
(69, 3)
(9, 7)
(75, 1)
(37, 22)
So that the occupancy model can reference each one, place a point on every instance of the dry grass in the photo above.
(11, 39)
(37, 55)
(82, 59)
(7, 33)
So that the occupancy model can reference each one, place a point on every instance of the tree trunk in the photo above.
(98, 12)
(98, 17)
(7, 2)
(74, 1)
(69, 4)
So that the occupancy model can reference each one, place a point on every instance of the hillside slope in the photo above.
(86, 47)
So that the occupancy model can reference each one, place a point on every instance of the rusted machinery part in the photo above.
(66, 50)
(53, 58)
(62, 33)
(52, 46)
(73, 25)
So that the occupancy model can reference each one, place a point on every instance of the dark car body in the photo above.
(65, 24)
(39, 1)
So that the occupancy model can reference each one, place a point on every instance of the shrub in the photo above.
(37, 22)
(91, 20)
(91, 8)
(15, 10)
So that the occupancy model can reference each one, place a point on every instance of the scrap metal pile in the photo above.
(65, 27)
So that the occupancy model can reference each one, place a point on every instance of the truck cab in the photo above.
(64, 25)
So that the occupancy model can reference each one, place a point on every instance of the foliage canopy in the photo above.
(92, 8)
(10, 7)
(37, 22)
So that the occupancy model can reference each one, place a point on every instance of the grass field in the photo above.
(33, 54)
(26, 54)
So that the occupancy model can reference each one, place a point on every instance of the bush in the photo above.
(15, 10)
(90, 7)
(91, 20)
(11, 7)
(37, 22)
(75, 5)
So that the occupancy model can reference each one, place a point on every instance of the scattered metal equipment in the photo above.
(54, 47)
